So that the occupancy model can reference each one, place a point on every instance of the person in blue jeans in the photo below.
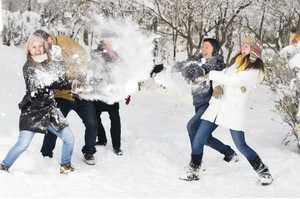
(197, 66)
(38, 107)
(229, 110)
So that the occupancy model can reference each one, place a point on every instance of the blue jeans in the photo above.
(205, 132)
(25, 138)
(192, 128)
(86, 111)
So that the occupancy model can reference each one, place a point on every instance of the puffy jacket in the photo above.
(230, 110)
(202, 92)
(38, 107)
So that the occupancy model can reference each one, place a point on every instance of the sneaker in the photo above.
(191, 173)
(3, 168)
(66, 168)
(89, 159)
(118, 151)
(98, 143)
(232, 158)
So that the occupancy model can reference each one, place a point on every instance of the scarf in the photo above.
(40, 58)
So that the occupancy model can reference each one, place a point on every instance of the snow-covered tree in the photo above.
(283, 77)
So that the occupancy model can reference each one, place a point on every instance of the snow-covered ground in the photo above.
(155, 144)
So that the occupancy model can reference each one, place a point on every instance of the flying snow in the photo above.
(135, 51)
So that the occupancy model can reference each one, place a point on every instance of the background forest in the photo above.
(181, 24)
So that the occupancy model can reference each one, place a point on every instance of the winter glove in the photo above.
(188, 72)
(127, 100)
(218, 92)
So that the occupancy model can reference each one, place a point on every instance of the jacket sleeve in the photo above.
(30, 78)
(245, 78)
(31, 87)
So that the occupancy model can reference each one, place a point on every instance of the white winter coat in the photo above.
(230, 110)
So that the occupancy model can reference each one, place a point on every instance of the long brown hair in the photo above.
(258, 64)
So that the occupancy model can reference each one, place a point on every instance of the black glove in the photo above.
(192, 71)
(189, 72)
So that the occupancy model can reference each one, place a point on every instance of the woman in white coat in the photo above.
(229, 109)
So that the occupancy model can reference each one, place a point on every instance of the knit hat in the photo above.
(249, 40)
(256, 50)
(33, 39)
(257, 47)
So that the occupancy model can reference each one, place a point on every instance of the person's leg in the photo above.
(24, 140)
(66, 135)
(115, 129)
(102, 140)
(253, 158)
(212, 142)
(49, 141)
(194, 122)
(219, 146)
(204, 132)
(240, 142)
(86, 111)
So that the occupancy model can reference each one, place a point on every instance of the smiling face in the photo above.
(246, 49)
(207, 50)
(36, 48)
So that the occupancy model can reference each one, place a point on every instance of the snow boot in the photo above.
(262, 171)
(192, 171)
(66, 168)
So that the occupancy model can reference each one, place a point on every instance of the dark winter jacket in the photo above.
(194, 68)
(38, 107)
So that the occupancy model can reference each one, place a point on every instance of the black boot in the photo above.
(262, 170)
(192, 172)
